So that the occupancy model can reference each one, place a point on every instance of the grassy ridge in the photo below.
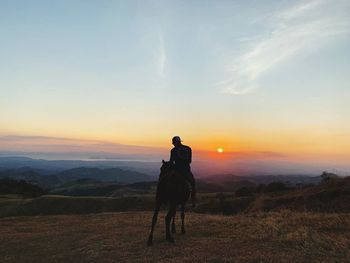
(282, 236)
(53, 205)
(327, 197)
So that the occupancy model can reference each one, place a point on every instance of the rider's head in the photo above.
(176, 141)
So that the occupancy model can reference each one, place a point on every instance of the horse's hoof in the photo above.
(183, 232)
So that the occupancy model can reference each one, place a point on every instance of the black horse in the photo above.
(174, 190)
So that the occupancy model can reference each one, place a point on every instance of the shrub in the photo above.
(326, 176)
(10, 186)
(276, 187)
(245, 191)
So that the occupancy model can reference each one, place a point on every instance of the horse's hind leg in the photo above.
(169, 216)
(173, 228)
(154, 221)
(183, 219)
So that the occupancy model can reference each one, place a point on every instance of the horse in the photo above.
(174, 190)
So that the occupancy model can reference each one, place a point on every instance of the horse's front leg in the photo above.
(154, 221)
(173, 228)
(183, 219)
(169, 216)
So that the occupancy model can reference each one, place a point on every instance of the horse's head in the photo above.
(166, 167)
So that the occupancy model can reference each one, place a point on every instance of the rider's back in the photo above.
(181, 156)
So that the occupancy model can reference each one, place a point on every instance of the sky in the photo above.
(268, 77)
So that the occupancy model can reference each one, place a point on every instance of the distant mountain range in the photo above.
(54, 166)
(50, 174)
(103, 178)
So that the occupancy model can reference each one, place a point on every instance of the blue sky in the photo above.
(242, 75)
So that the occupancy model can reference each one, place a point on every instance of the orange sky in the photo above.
(265, 78)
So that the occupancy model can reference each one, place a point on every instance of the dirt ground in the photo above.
(121, 237)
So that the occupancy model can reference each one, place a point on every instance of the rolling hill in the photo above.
(332, 197)
(105, 175)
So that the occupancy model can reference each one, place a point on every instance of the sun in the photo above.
(220, 150)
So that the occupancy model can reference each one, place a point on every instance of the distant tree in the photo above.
(326, 176)
(222, 202)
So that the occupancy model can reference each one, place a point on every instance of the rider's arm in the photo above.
(172, 156)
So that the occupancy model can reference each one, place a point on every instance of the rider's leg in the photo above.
(191, 180)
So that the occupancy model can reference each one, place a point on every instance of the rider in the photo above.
(181, 157)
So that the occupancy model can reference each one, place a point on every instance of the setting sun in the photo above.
(220, 150)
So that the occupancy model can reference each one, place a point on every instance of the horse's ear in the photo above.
(163, 161)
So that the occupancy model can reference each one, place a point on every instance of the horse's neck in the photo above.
(167, 175)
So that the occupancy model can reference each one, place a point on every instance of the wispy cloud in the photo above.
(59, 144)
(293, 30)
(162, 57)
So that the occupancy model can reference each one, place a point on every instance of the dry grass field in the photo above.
(283, 236)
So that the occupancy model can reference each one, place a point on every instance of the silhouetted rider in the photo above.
(181, 157)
